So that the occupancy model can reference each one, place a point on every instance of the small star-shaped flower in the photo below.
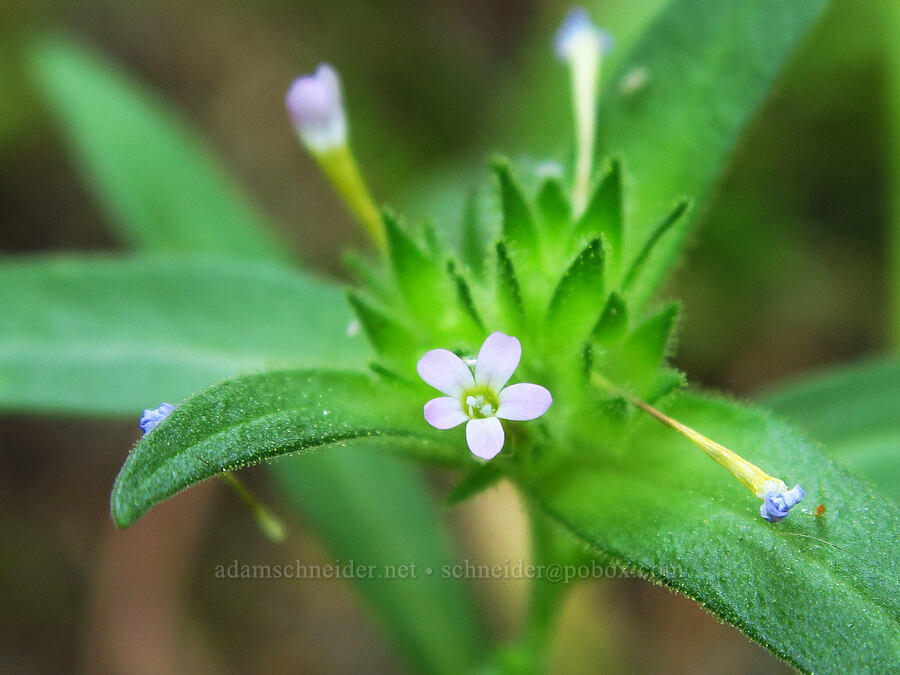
(481, 399)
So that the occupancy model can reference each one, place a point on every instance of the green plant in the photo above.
(569, 271)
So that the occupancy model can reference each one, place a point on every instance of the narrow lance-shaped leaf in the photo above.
(636, 365)
(709, 65)
(577, 301)
(473, 246)
(387, 334)
(554, 205)
(822, 593)
(509, 295)
(160, 187)
(464, 297)
(603, 215)
(419, 276)
(613, 322)
(253, 418)
(111, 336)
(519, 228)
(640, 263)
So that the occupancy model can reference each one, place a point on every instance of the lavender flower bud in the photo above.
(316, 110)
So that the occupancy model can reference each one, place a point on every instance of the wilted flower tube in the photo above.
(777, 499)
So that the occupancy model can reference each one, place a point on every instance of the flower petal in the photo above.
(524, 401)
(444, 412)
(498, 358)
(485, 437)
(445, 371)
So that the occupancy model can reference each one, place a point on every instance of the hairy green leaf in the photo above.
(390, 337)
(418, 275)
(640, 263)
(709, 65)
(160, 187)
(519, 228)
(553, 204)
(577, 302)
(855, 413)
(613, 323)
(822, 593)
(636, 364)
(509, 294)
(603, 215)
(472, 246)
(108, 335)
(253, 418)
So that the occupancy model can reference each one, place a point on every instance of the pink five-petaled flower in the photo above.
(481, 399)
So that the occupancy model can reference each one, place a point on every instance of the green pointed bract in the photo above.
(577, 302)
(636, 267)
(554, 207)
(604, 214)
(473, 247)
(519, 228)
(387, 334)
(636, 364)
(369, 274)
(464, 297)
(510, 307)
(667, 381)
(433, 244)
(420, 278)
(613, 322)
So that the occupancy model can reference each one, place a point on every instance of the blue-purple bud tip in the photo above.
(577, 26)
(153, 416)
(777, 505)
(316, 109)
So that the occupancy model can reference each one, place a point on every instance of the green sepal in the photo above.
(553, 205)
(419, 276)
(613, 323)
(577, 301)
(519, 228)
(511, 308)
(464, 296)
(604, 214)
(635, 365)
(370, 274)
(433, 245)
(473, 251)
(667, 381)
(637, 265)
(387, 334)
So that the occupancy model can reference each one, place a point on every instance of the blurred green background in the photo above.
(787, 273)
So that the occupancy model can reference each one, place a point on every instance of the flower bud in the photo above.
(316, 110)
(579, 36)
